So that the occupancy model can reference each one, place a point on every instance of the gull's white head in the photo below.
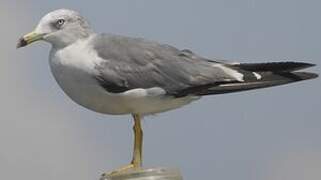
(60, 28)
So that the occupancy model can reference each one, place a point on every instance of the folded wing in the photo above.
(132, 63)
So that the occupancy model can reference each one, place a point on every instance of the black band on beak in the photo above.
(22, 43)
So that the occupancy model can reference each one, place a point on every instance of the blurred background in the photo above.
(269, 134)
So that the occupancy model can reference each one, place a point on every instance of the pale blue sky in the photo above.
(270, 134)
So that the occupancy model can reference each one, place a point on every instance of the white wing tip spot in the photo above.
(231, 72)
(257, 75)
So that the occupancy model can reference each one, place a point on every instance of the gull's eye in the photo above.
(60, 23)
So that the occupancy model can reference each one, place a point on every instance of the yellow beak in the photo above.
(29, 38)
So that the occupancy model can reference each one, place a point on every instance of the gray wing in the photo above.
(130, 63)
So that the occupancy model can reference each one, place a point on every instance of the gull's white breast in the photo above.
(74, 68)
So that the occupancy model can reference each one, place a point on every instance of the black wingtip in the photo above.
(309, 75)
(304, 64)
(299, 76)
(287, 66)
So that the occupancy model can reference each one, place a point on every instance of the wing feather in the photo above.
(130, 63)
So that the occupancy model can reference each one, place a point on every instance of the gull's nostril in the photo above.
(22, 43)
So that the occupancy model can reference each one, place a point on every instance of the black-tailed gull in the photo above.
(114, 74)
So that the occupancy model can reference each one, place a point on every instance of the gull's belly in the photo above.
(86, 92)
(82, 88)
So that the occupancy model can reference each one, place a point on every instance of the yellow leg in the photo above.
(138, 142)
(138, 147)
